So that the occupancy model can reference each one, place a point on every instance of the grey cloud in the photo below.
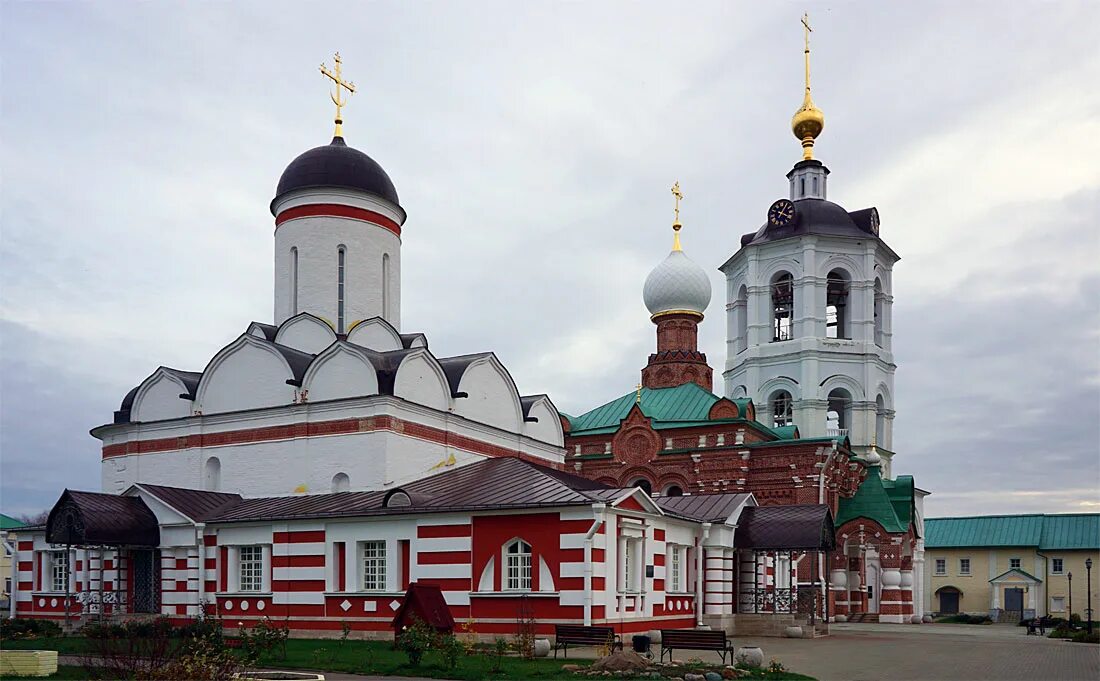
(533, 146)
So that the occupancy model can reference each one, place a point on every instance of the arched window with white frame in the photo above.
(341, 482)
(386, 302)
(517, 566)
(782, 408)
(294, 280)
(838, 415)
(782, 294)
(837, 286)
(341, 267)
(212, 474)
(741, 310)
(880, 420)
(879, 297)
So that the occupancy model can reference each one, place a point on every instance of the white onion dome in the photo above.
(873, 458)
(677, 285)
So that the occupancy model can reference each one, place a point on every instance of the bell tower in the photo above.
(808, 310)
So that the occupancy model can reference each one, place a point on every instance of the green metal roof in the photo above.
(900, 490)
(684, 403)
(785, 432)
(9, 523)
(1045, 532)
(1071, 531)
(873, 502)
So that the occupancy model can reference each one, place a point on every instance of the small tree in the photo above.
(525, 629)
(414, 640)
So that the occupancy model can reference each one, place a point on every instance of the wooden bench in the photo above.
(696, 639)
(565, 634)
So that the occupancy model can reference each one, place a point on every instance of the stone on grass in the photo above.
(750, 655)
(570, 667)
(542, 647)
(712, 676)
(694, 677)
(621, 661)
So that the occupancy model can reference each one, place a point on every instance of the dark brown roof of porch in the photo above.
(95, 519)
(805, 527)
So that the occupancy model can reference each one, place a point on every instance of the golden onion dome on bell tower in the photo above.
(808, 121)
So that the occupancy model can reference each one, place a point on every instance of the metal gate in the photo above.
(145, 573)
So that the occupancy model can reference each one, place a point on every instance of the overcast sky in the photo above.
(533, 145)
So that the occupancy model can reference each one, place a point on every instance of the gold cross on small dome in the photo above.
(338, 98)
(676, 222)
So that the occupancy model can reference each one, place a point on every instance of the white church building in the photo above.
(319, 465)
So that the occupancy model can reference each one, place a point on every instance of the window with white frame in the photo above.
(1057, 603)
(1013, 563)
(1056, 566)
(628, 565)
(964, 566)
(675, 569)
(59, 571)
(374, 566)
(941, 566)
(518, 566)
(250, 568)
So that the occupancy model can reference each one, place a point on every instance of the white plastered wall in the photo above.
(341, 371)
(375, 334)
(158, 399)
(420, 380)
(548, 426)
(245, 375)
(317, 240)
(492, 397)
(306, 333)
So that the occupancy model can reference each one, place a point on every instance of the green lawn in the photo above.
(369, 657)
(68, 645)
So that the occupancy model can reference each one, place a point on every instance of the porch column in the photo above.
(906, 594)
(995, 599)
(919, 588)
(856, 594)
(715, 581)
(890, 600)
(746, 582)
(838, 588)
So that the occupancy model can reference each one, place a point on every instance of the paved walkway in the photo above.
(891, 652)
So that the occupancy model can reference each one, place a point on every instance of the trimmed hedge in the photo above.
(20, 628)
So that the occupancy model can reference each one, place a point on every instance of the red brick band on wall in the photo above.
(338, 427)
(338, 211)
(440, 531)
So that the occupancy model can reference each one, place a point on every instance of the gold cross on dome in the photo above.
(638, 400)
(807, 30)
(338, 98)
(679, 195)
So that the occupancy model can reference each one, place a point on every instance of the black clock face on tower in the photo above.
(782, 213)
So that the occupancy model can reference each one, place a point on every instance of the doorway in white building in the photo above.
(873, 588)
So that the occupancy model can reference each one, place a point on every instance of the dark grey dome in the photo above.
(337, 165)
(817, 216)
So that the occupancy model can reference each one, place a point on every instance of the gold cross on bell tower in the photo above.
(338, 98)
(676, 223)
